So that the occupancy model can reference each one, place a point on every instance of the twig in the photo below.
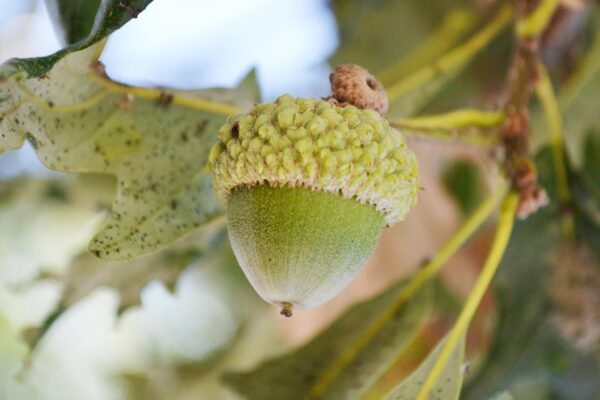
(515, 135)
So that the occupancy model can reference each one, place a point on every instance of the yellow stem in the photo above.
(505, 225)
(458, 119)
(545, 93)
(99, 49)
(427, 272)
(451, 30)
(454, 58)
(535, 23)
(158, 94)
(463, 126)
(62, 108)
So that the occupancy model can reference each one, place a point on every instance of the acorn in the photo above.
(308, 186)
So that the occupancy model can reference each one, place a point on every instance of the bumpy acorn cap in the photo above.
(308, 187)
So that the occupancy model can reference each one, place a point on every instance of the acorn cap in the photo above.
(308, 187)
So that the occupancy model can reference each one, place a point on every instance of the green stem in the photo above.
(505, 225)
(458, 119)
(464, 126)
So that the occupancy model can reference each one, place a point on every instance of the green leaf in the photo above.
(45, 224)
(348, 357)
(527, 346)
(381, 35)
(502, 396)
(112, 14)
(74, 18)
(463, 181)
(86, 274)
(449, 382)
(377, 33)
(578, 99)
(156, 142)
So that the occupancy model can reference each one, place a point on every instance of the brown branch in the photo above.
(522, 79)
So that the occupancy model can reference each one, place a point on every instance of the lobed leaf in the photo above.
(156, 142)
(348, 357)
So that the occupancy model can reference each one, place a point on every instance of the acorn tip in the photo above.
(286, 310)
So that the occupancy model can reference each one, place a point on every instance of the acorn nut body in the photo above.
(308, 187)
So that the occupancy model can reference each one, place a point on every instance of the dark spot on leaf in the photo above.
(173, 204)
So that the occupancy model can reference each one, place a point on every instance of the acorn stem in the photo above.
(286, 309)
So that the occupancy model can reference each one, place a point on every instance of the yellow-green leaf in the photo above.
(156, 142)
(348, 357)
(448, 384)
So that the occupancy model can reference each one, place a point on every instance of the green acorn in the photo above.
(308, 186)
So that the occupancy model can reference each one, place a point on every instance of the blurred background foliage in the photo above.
(183, 322)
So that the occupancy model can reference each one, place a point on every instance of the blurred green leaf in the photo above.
(449, 382)
(527, 346)
(112, 14)
(463, 181)
(11, 353)
(578, 99)
(378, 33)
(586, 193)
(87, 273)
(155, 142)
(74, 18)
(414, 46)
(347, 358)
(45, 224)
(503, 396)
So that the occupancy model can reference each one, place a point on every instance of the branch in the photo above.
(521, 82)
